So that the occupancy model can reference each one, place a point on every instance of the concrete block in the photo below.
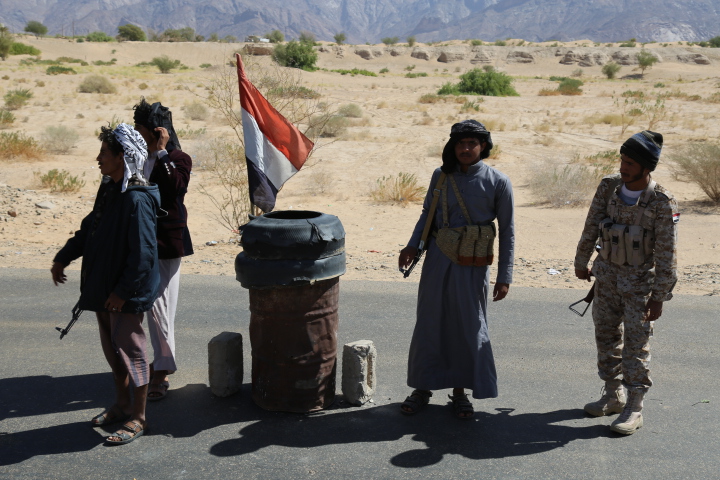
(359, 374)
(225, 363)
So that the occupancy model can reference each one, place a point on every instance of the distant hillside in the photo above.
(371, 20)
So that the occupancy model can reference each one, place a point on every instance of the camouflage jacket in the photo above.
(660, 217)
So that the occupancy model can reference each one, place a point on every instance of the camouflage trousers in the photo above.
(621, 335)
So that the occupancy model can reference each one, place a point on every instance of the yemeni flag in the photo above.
(274, 148)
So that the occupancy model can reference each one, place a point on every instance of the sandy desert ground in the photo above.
(395, 134)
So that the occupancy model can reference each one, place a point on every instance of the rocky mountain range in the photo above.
(371, 20)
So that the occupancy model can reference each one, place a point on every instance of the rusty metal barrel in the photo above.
(291, 263)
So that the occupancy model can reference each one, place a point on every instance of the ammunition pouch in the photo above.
(471, 245)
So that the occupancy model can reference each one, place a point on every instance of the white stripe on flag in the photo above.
(276, 167)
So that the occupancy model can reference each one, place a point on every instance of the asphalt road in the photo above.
(50, 388)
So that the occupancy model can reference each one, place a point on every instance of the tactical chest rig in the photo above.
(626, 244)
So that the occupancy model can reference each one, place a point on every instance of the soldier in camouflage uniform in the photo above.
(629, 297)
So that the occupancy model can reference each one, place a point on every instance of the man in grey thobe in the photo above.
(450, 346)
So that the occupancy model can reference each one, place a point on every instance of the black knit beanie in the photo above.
(465, 129)
(153, 116)
(644, 148)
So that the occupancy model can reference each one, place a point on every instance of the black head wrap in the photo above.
(644, 148)
(464, 129)
(153, 116)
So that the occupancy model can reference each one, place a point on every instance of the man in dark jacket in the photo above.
(119, 275)
(168, 167)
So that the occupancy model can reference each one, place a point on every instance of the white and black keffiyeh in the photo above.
(135, 150)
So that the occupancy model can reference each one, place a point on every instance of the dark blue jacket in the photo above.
(117, 241)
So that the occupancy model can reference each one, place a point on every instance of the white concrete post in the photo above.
(359, 371)
(225, 363)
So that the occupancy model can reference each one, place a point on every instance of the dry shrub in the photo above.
(566, 185)
(350, 111)
(545, 140)
(607, 119)
(495, 152)
(60, 181)
(493, 125)
(361, 122)
(19, 145)
(402, 189)
(96, 84)
(16, 99)
(543, 128)
(382, 104)
(196, 111)
(425, 120)
(59, 139)
(699, 163)
(548, 92)
(321, 180)
(327, 125)
(432, 98)
(435, 150)
(225, 162)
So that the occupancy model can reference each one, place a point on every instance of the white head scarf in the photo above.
(135, 150)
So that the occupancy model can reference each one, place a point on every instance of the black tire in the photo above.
(293, 235)
(259, 273)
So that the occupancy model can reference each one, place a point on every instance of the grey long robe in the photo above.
(450, 346)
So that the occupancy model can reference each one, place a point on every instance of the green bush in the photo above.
(99, 36)
(340, 38)
(500, 43)
(59, 139)
(276, 36)
(60, 181)
(16, 99)
(18, 48)
(714, 42)
(102, 63)
(610, 70)
(205, 65)
(296, 55)
(165, 63)
(411, 40)
(307, 37)
(58, 70)
(629, 44)
(415, 75)
(390, 40)
(487, 81)
(96, 84)
(294, 91)
(476, 43)
(355, 71)
(131, 33)
(384, 70)
(570, 86)
(6, 119)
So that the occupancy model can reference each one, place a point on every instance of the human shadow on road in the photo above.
(487, 435)
(24, 399)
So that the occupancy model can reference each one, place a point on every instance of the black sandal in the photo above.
(462, 406)
(415, 402)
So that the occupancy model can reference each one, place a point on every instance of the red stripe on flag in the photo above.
(282, 134)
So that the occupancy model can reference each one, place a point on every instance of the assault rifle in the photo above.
(428, 224)
(588, 298)
(421, 250)
(76, 312)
